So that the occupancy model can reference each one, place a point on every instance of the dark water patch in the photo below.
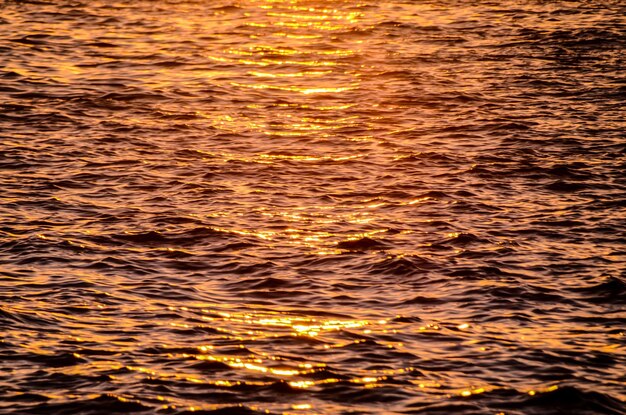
(27, 397)
(436, 409)
(567, 399)
(162, 350)
(521, 294)
(610, 291)
(265, 283)
(362, 244)
(188, 237)
(399, 266)
(562, 186)
(423, 300)
(461, 240)
(205, 366)
(227, 410)
(108, 403)
(380, 395)
(56, 380)
(25, 319)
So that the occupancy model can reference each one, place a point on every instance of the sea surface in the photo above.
(312, 207)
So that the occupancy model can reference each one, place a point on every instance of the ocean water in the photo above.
(312, 207)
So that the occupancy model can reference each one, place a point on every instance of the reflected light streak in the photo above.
(305, 91)
(289, 75)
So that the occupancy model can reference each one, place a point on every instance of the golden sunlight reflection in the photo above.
(291, 65)
(252, 366)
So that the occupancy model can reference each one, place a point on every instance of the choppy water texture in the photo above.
(312, 207)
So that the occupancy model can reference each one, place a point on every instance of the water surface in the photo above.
(312, 207)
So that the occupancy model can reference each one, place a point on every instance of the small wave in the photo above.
(265, 283)
(107, 403)
(460, 239)
(57, 360)
(362, 244)
(567, 400)
(183, 238)
(23, 319)
(347, 392)
(131, 96)
(226, 410)
(445, 409)
(210, 366)
(565, 187)
(610, 291)
(406, 265)
(423, 300)
(426, 156)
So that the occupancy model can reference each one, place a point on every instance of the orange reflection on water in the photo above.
(303, 99)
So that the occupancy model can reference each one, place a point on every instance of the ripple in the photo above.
(281, 206)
